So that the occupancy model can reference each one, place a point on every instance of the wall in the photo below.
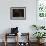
(24, 25)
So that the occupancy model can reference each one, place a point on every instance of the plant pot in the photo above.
(40, 40)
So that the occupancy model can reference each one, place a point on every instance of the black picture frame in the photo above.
(18, 13)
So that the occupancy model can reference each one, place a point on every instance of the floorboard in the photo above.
(13, 44)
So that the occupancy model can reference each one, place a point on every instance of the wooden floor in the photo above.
(13, 44)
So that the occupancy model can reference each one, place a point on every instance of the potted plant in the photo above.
(39, 35)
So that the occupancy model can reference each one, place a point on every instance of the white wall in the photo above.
(24, 25)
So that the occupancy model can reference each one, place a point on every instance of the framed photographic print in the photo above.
(17, 13)
(41, 12)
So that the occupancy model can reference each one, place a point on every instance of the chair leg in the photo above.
(5, 43)
(5, 40)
